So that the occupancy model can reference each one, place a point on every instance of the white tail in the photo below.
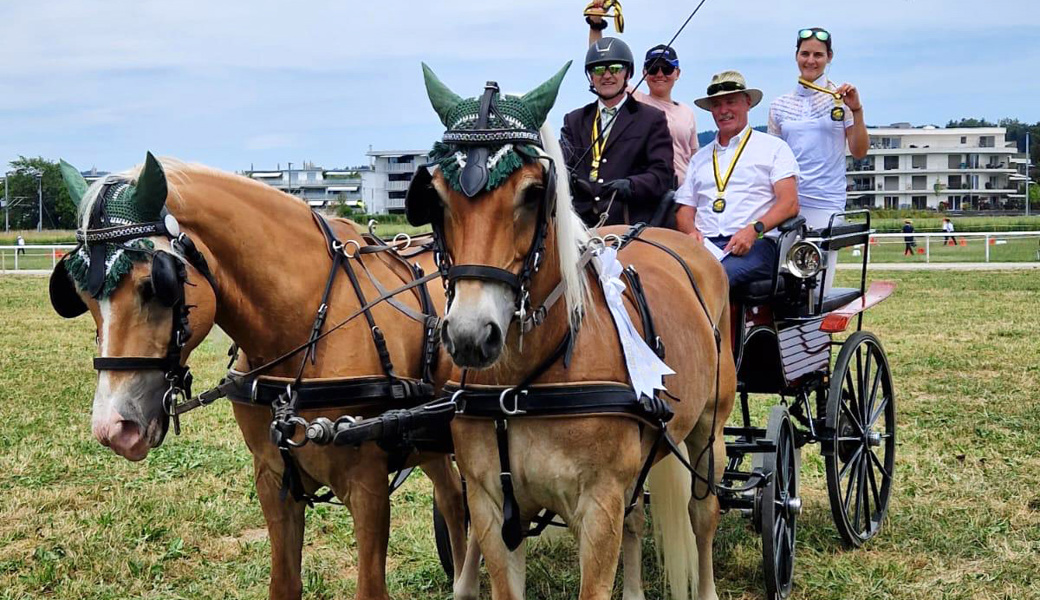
(671, 487)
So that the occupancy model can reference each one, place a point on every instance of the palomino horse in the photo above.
(268, 263)
(488, 201)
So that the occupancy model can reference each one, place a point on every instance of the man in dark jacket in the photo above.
(618, 150)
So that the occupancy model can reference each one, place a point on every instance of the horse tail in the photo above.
(671, 487)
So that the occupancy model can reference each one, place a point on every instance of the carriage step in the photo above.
(737, 449)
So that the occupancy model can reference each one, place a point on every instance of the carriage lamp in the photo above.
(804, 260)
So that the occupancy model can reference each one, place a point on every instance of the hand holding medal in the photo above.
(597, 9)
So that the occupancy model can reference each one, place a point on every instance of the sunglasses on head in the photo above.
(725, 86)
(660, 67)
(601, 69)
(819, 34)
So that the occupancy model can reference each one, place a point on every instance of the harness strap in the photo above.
(512, 527)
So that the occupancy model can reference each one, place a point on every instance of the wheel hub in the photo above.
(793, 506)
(873, 438)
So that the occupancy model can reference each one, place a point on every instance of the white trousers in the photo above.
(818, 218)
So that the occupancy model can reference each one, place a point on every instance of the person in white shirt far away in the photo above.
(739, 187)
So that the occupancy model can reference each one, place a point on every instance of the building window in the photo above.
(891, 184)
(919, 202)
(891, 163)
(918, 182)
(964, 139)
(918, 161)
(402, 159)
(396, 195)
(891, 202)
(399, 177)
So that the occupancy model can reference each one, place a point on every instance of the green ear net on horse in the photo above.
(74, 181)
(150, 193)
(442, 99)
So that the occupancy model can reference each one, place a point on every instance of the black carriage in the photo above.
(784, 345)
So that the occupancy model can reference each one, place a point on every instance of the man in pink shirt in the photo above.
(661, 70)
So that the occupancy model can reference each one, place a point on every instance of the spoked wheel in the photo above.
(779, 505)
(860, 455)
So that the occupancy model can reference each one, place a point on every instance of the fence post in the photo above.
(927, 249)
(54, 258)
(987, 247)
(16, 260)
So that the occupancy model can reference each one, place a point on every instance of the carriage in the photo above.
(784, 348)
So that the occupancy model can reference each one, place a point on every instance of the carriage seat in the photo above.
(756, 292)
(835, 298)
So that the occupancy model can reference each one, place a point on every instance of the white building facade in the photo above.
(385, 184)
(320, 188)
(956, 169)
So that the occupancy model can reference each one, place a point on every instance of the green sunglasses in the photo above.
(601, 69)
(819, 34)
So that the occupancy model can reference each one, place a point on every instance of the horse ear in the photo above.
(442, 99)
(540, 100)
(150, 193)
(74, 181)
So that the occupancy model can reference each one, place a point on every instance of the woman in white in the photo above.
(817, 126)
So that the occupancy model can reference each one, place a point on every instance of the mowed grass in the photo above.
(76, 521)
(969, 249)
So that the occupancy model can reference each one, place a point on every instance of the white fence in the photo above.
(1004, 246)
(31, 258)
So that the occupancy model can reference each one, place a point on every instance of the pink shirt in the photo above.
(683, 127)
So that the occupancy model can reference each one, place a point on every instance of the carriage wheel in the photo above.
(779, 505)
(861, 414)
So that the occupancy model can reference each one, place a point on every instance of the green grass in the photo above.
(76, 521)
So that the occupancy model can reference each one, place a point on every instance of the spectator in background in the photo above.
(21, 245)
(908, 228)
(947, 227)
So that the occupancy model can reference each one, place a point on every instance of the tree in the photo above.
(59, 212)
(970, 123)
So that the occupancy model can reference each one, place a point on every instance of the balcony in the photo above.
(395, 204)
(397, 186)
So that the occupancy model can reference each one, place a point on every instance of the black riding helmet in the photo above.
(608, 51)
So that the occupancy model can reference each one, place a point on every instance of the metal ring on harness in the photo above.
(612, 239)
(516, 402)
(406, 238)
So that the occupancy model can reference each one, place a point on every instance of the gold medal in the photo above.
(721, 181)
(837, 113)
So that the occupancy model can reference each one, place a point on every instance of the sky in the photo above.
(237, 84)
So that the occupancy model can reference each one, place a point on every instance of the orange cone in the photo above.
(920, 250)
(964, 242)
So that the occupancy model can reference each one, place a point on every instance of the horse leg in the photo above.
(285, 519)
(704, 505)
(598, 526)
(368, 497)
(632, 551)
(447, 495)
(507, 569)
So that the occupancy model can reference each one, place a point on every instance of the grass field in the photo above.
(76, 521)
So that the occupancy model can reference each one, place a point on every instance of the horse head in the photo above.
(499, 213)
(150, 294)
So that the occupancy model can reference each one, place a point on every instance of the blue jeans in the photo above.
(757, 264)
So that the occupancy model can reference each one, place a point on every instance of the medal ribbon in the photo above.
(722, 182)
(598, 144)
(838, 113)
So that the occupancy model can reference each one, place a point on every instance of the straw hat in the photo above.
(726, 83)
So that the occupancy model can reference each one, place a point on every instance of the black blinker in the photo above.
(168, 276)
(64, 297)
(421, 202)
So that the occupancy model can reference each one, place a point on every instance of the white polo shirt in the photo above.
(749, 193)
(802, 118)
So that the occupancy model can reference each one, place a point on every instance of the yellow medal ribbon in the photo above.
(838, 112)
(604, 11)
(719, 204)
(598, 144)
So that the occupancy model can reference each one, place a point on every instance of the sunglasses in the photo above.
(665, 68)
(819, 34)
(725, 86)
(601, 69)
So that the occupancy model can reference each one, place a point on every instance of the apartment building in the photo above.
(318, 187)
(928, 167)
(385, 183)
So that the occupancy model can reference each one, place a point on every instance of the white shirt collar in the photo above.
(600, 106)
(733, 141)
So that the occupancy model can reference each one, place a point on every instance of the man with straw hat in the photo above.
(739, 187)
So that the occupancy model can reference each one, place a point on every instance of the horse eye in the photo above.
(144, 289)
(533, 195)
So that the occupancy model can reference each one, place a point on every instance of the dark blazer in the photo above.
(639, 148)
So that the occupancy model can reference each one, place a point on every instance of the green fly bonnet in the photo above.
(487, 139)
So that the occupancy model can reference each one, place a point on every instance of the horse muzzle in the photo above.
(472, 343)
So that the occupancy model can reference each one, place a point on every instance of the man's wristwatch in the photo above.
(760, 229)
(597, 26)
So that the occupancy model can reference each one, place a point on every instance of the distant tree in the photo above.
(59, 212)
(970, 123)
